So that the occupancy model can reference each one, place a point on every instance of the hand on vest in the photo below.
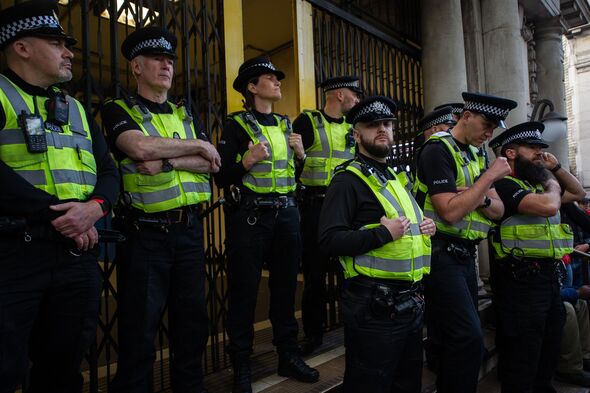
(209, 152)
(296, 144)
(428, 227)
(151, 168)
(78, 217)
(396, 226)
(256, 153)
(87, 240)
(499, 169)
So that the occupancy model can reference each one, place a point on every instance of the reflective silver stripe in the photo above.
(479, 226)
(186, 123)
(16, 100)
(415, 229)
(316, 153)
(261, 167)
(36, 178)
(314, 175)
(63, 176)
(196, 187)
(525, 219)
(319, 123)
(146, 122)
(281, 164)
(285, 181)
(468, 182)
(149, 198)
(345, 155)
(421, 262)
(75, 117)
(563, 243)
(12, 137)
(258, 181)
(463, 225)
(383, 264)
(529, 244)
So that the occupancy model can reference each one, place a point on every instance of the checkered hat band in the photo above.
(457, 111)
(439, 120)
(376, 107)
(10, 31)
(153, 43)
(523, 135)
(486, 109)
(341, 85)
(268, 65)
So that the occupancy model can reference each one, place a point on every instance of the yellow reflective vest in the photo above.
(276, 174)
(165, 190)
(331, 147)
(528, 236)
(475, 225)
(68, 168)
(407, 258)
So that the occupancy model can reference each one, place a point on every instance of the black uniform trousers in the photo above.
(257, 236)
(316, 265)
(530, 325)
(156, 267)
(452, 320)
(383, 355)
(48, 313)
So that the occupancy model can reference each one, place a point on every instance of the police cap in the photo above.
(153, 40)
(494, 108)
(253, 68)
(372, 109)
(528, 133)
(442, 115)
(339, 82)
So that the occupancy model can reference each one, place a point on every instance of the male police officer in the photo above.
(165, 160)
(57, 180)
(376, 227)
(528, 246)
(328, 142)
(258, 151)
(454, 192)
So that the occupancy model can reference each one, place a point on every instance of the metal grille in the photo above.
(385, 65)
(101, 72)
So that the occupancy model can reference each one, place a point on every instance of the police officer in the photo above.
(377, 229)
(454, 192)
(528, 245)
(165, 161)
(258, 152)
(57, 180)
(328, 142)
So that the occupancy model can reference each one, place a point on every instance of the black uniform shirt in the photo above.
(20, 198)
(233, 143)
(349, 205)
(511, 194)
(116, 121)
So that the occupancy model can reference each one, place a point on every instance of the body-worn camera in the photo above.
(58, 109)
(33, 129)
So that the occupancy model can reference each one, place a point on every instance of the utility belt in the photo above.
(525, 267)
(183, 215)
(276, 202)
(456, 249)
(388, 300)
(311, 194)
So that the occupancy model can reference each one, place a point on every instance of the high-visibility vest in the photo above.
(475, 225)
(331, 147)
(277, 172)
(407, 258)
(68, 168)
(528, 236)
(165, 190)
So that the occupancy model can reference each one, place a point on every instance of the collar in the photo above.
(340, 120)
(380, 166)
(25, 86)
(155, 107)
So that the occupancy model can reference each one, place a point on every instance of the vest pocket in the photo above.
(155, 180)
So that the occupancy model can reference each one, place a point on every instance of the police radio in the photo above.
(33, 128)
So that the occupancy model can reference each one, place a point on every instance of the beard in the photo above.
(380, 151)
(526, 170)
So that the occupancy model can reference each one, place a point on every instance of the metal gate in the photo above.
(378, 41)
(100, 72)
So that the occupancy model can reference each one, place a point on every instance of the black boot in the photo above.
(291, 365)
(242, 374)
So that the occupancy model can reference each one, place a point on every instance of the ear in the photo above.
(340, 94)
(22, 48)
(136, 66)
(510, 154)
(357, 135)
(252, 88)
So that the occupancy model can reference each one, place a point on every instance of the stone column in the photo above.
(443, 52)
(550, 78)
(506, 71)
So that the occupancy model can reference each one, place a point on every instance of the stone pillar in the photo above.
(443, 53)
(506, 71)
(550, 78)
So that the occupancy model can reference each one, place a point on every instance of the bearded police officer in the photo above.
(459, 197)
(377, 229)
(258, 151)
(528, 245)
(328, 142)
(57, 180)
(165, 159)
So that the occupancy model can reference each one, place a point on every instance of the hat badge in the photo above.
(163, 42)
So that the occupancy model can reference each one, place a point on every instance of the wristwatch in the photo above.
(166, 165)
(487, 201)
